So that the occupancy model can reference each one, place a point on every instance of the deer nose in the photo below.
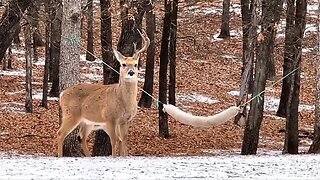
(131, 73)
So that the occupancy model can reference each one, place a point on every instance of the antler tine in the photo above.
(146, 42)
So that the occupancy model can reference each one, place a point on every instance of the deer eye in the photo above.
(124, 65)
(136, 65)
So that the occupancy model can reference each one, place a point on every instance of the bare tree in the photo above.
(90, 50)
(44, 102)
(55, 40)
(225, 20)
(146, 100)
(10, 23)
(28, 42)
(164, 60)
(263, 51)
(172, 52)
(291, 138)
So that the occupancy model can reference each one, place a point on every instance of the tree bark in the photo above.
(102, 146)
(69, 68)
(9, 23)
(90, 50)
(44, 102)
(288, 58)
(28, 42)
(271, 70)
(172, 52)
(164, 59)
(251, 133)
(56, 14)
(225, 20)
(146, 100)
(249, 26)
(291, 139)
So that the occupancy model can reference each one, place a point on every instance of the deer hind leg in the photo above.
(84, 132)
(110, 129)
(123, 136)
(68, 124)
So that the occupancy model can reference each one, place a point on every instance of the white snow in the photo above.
(234, 8)
(179, 167)
(12, 107)
(195, 97)
(39, 95)
(12, 73)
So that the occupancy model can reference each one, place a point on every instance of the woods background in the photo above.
(261, 49)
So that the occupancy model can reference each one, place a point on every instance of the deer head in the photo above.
(129, 65)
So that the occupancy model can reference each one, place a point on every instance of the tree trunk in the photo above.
(34, 20)
(90, 50)
(291, 139)
(146, 100)
(251, 133)
(28, 101)
(10, 58)
(172, 53)
(249, 26)
(69, 62)
(288, 58)
(9, 23)
(102, 146)
(56, 8)
(164, 58)
(44, 102)
(225, 20)
(271, 70)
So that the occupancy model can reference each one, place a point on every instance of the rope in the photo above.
(276, 82)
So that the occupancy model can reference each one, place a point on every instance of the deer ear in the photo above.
(118, 55)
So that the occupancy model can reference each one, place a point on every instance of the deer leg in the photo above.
(66, 127)
(84, 132)
(111, 131)
(123, 135)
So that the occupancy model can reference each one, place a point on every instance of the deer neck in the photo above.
(128, 94)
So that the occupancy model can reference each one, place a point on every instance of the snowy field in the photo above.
(304, 167)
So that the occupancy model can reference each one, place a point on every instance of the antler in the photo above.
(146, 43)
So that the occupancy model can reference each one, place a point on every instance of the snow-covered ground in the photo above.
(204, 167)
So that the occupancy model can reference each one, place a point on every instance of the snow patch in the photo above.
(12, 107)
(12, 73)
(234, 8)
(194, 97)
(38, 96)
(181, 167)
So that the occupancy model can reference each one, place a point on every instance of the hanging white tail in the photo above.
(201, 121)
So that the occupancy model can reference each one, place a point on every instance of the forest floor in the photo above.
(208, 81)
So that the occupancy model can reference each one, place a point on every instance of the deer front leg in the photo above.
(68, 124)
(110, 129)
(123, 135)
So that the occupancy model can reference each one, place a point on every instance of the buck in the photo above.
(107, 107)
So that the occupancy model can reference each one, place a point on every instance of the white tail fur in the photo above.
(107, 107)
(201, 121)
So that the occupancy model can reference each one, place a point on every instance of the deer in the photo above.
(106, 107)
